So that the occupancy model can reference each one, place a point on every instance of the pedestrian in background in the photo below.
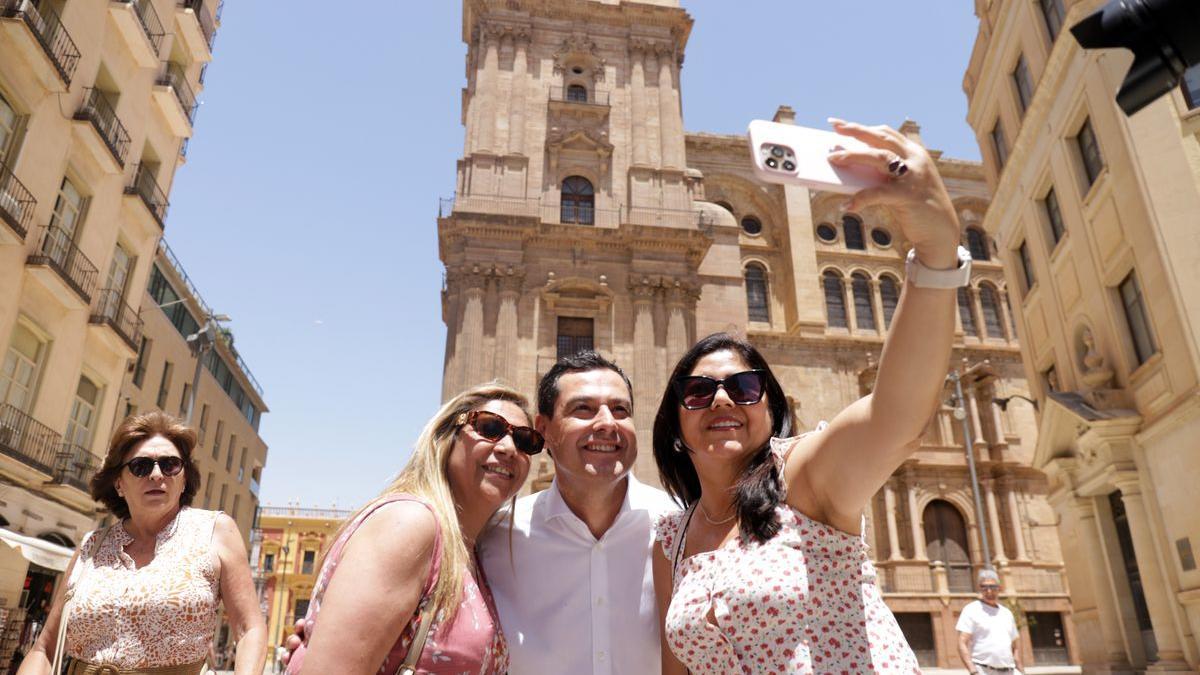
(988, 641)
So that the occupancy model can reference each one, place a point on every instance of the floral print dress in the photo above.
(471, 644)
(806, 601)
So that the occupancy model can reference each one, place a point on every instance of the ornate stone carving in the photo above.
(580, 49)
(1096, 373)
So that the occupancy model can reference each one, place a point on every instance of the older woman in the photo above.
(766, 570)
(145, 591)
(404, 567)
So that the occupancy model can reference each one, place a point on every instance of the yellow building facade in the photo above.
(1095, 217)
(584, 216)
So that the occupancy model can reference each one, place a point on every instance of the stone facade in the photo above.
(669, 237)
(1094, 214)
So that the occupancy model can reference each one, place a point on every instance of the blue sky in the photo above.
(306, 210)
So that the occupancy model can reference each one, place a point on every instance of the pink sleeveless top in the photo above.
(471, 643)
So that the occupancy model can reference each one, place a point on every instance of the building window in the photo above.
(130, 409)
(1047, 638)
(1089, 152)
(171, 304)
(864, 311)
(1050, 379)
(965, 315)
(826, 233)
(139, 369)
(229, 453)
(989, 300)
(301, 610)
(118, 271)
(1024, 84)
(183, 400)
(889, 293)
(216, 453)
(309, 561)
(575, 335)
(577, 93)
(852, 230)
(221, 502)
(68, 210)
(8, 129)
(578, 201)
(835, 300)
(977, 244)
(917, 628)
(208, 489)
(751, 225)
(22, 364)
(164, 385)
(1052, 13)
(242, 466)
(881, 237)
(1136, 319)
(1026, 266)
(202, 427)
(757, 296)
(946, 540)
(269, 562)
(1190, 86)
(237, 503)
(1054, 216)
(999, 146)
(83, 413)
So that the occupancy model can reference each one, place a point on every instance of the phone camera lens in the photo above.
(772, 163)
(789, 166)
(777, 151)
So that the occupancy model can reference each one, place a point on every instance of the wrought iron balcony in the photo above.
(49, 32)
(173, 76)
(110, 310)
(144, 186)
(75, 466)
(16, 203)
(58, 252)
(151, 24)
(28, 440)
(207, 25)
(578, 95)
(98, 110)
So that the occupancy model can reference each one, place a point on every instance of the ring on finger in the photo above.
(896, 167)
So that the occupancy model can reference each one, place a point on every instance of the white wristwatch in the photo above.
(923, 277)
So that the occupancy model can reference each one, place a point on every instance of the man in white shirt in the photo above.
(987, 632)
(575, 592)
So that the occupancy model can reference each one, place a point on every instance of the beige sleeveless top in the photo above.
(163, 614)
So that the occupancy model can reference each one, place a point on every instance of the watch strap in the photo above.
(924, 277)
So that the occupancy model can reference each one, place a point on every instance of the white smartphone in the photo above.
(788, 154)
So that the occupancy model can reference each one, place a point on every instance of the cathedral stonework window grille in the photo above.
(577, 93)
(977, 244)
(578, 201)
(757, 293)
(965, 315)
(864, 311)
(575, 335)
(852, 230)
(989, 300)
(889, 294)
(835, 300)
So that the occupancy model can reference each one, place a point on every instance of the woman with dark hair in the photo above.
(766, 570)
(142, 595)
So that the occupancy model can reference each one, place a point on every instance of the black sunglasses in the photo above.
(494, 427)
(698, 391)
(143, 466)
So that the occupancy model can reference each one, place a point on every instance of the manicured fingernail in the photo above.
(834, 120)
(837, 156)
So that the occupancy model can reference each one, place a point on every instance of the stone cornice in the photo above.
(631, 16)
(859, 345)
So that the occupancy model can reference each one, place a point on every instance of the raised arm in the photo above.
(833, 474)
(237, 594)
(374, 591)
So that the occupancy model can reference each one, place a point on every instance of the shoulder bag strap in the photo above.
(677, 554)
(409, 667)
(61, 642)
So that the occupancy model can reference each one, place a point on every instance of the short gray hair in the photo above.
(987, 575)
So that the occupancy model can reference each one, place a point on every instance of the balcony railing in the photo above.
(569, 95)
(573, 212)
(144, 186)
(112, 311)
(58, 252)
(98, 109)
(207, 25)
(173, 76)
(48, 30)
(150, 22)
(28, 440)
(16, 203)
(299, 512)
(75, 466)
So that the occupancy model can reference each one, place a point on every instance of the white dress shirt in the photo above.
(571, 603)
(992, 630)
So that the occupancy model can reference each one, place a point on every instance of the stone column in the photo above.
(993, 516)
(645, 369)
(977, 312)
(1106, 612)
(848, 299)
(670, 120)
(506, 329)
(973, 408)
(503, 90)
(916, 524)
(1154, 586)
(889, 504)
(485, 88)
(946, 424)
(653, 122)
(1014, 516)
(470, 335)
(1005, 316)
(517, 95)
(877, 306)
(998, 426)
(637, 104)
(677, 334)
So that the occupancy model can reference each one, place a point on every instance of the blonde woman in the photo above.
(411, 552)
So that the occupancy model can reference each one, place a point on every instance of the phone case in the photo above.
(799, 157)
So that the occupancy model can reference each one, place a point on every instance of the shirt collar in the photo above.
(556, 506)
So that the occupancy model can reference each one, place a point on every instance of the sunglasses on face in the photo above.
(143, 466)
(699, 391)
(493, 427)
(989, 587)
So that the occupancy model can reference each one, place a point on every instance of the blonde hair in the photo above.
(425, 477)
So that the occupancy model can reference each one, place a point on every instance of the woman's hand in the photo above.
(918, 199)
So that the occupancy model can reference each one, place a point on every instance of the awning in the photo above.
(38, 551)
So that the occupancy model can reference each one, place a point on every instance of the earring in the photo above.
(679, 446)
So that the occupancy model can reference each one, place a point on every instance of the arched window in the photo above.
(757, 297)
(946, 540)
(864, 311)
(751, 225)
(889, 293)
(725, 205)
(57, 538)
(835, 300)
(578, 201)
(965, 314)
(83, 413)
(977, 244)
(852, 230)
(577, 92)
(989, 299)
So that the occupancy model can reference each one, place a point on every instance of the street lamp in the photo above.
(960, 414)
(1002, 403)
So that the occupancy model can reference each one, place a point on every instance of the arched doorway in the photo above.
(946, 540)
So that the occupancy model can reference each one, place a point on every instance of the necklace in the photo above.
(704, 512)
